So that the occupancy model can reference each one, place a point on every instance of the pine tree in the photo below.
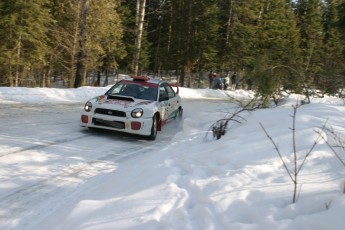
(341, 23)
(23, 35)
(310, 17)
(333, 60)
(105, 47)
(190, 32)
(239, 41)
(103, 40)
(341, 26)
(64, 38)
(81, 53)
(128, 10)
(261, 41)
(279, 45)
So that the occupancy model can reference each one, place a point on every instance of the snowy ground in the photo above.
(55, 174)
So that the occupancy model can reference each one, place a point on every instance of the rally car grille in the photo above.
(110, 112)
(106, 123)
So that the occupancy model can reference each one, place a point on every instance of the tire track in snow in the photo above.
(39, 198)
(45, 145)
(24, 201)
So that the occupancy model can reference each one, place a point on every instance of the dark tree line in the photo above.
(278, 44)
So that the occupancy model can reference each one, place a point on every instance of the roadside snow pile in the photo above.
(48, 95)
(82, 94)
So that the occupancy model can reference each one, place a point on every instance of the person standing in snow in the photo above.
(218, 82)
(210, 80)
(98, 82)
(226, 81)
(234, 81)
(249, 83)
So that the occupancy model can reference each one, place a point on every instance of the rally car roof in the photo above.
(144, 79)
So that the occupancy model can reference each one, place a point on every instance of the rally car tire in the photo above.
(154, 128)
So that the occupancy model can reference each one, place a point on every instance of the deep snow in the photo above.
(181, 181)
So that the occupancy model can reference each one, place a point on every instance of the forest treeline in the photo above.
(276, 43)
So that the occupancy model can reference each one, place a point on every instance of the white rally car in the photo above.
(137, 105)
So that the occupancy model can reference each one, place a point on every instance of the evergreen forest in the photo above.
(290, 45)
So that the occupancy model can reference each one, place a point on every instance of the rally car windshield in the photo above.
(145, 92)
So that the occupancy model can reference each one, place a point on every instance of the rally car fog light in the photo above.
(84, 119)
(88, 106)
(136, 113)
(135, 125)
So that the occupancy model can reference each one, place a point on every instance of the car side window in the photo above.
(170, 91)
(163, 94)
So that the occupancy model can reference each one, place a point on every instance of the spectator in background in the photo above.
(210, 80)
(98, 83)
(226, 81)
(249, 83)
(234, 81)
(218, 82)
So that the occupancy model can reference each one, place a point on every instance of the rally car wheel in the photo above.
(153, 134)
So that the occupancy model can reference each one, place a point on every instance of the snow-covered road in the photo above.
(55, 158)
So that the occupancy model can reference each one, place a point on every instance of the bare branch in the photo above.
(332, 149)
(219, 127)
(277, 150)
(312, 147)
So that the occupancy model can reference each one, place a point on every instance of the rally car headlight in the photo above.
(136, 113)
(88, 106)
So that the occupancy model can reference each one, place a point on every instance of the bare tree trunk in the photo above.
(71, 73)
(73, 54)
(9, 81)
(137, 19)
(141, 4)
(295, 154)
(84, 76)
(106, 80)
(43, 79)
(157, 60)
(49, 72)
(19, 49)
(82, 49)
(228, 26)
(188, 63)
(182, 77)
(48, 80)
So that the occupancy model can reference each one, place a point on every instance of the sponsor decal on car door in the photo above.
(165, 110)
(172, 102)
(164, 102)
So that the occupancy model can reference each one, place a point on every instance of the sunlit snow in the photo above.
(55, 174)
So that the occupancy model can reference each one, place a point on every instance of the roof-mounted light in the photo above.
(141, 78)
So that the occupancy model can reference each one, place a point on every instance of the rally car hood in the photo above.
(123, 102)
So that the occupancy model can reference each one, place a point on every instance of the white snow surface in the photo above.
(55, 174)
